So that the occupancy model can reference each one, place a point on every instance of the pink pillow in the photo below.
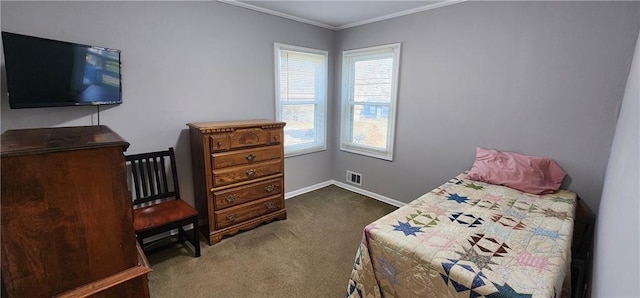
(532, 174)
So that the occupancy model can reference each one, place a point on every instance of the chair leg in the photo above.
(139, 238)
(182, 235)
(196, 236)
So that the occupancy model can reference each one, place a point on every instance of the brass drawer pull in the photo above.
(231, 217)
(219, 144)
(275, 138)
(230, 198)
(270, 205)
(250, 157)
(269, 188)
(251, 173)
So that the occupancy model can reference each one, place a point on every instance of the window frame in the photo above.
(320, 102)
(349, 57)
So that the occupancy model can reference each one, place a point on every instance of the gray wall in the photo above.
(616, 269)
(539, 78)
(182, 62)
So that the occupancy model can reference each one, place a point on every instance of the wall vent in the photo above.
(355, 178)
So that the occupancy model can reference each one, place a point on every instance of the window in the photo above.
(369, 91)
(301, 97)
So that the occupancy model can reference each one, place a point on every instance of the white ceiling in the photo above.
(336, 15)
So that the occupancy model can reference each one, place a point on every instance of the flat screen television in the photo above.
(49, 73)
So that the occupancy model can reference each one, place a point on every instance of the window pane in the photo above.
(300, 124)
(301, 96)
(372, 80)
(299, 73)
(370, 125)
(369, 100)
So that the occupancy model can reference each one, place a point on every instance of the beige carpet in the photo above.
(308, 255)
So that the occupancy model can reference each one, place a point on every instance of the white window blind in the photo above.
(301, 95)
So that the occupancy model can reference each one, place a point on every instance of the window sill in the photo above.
(305, 151)
(378, 155)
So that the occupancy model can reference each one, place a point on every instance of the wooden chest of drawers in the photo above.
(238, 174)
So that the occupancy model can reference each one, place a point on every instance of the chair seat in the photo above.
(150, 217)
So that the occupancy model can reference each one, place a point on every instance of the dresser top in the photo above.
(46, 140)
(217, 125)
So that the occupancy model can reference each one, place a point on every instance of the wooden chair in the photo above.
(157, 204)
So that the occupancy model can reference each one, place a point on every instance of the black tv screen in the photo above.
(49, 73)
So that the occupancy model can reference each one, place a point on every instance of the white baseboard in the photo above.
(361, 191)
(307, 189)
(367, 193)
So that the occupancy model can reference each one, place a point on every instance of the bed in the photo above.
(468, 238)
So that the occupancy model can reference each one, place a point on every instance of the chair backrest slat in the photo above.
(149, 166)
(174, 173)
(164, 174)
(149, 174)
(143, 178)
(157, 173)
(134, 178)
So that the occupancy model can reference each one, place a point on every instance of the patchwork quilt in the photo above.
(469, 239)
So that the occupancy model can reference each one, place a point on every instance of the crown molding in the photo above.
(334, 28)
(401, 13)
(279, 14)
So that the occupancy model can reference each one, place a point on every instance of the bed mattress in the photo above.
(469, 239)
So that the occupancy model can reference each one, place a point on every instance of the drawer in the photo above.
(244, 138)
(240, 213)
(219, 142)
(236, 174)
(247, 156)
(276, 137)
(248, 137)
(236, 196)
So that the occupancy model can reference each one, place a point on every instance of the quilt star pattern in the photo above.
(469, 239)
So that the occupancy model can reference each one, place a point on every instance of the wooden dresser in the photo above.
(67, 222)
(238, 174)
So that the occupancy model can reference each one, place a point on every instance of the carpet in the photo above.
(310, 254)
